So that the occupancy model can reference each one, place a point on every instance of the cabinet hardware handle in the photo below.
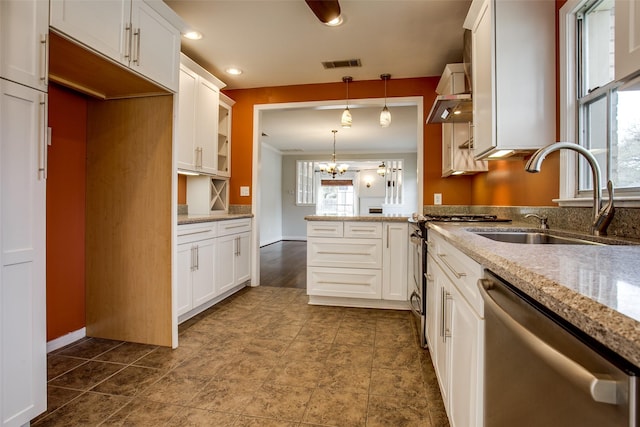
(192, 256)
(229, 227)
(194, 232)
(127, 41)
(42, 137)
(197, 257)
(429, 277)
(44, 66)
(388, 227)
(342, 253)
(328, 282)
(137, 35)
(442, 306)
(458, 275)
(238, 245)
(324, 229)
(447, 328)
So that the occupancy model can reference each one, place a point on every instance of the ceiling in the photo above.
(281, 42)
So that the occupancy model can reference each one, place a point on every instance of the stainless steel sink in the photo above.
(534, 238)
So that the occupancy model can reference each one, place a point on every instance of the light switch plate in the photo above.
(244, 191)
(437, 198)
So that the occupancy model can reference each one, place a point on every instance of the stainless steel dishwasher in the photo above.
(542, 371)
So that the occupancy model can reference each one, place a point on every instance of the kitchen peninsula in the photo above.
(357, 261)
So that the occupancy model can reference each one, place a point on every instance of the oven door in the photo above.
(416, 300)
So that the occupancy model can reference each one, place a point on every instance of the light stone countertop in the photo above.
(596, 288)
(196, 218)
(360, 218)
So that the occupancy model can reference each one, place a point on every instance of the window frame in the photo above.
(569, 111)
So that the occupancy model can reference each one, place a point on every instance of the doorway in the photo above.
(267, 181)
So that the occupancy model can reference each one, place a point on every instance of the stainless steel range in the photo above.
(418, 261)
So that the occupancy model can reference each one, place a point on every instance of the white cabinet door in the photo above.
(103, 25)
(466, 361)
(443, 324)
(206, 131)
(627, 49)
(24, 29)
(243, 258)
(225, 263)
(23, 363)
(204, 288)
(483, 97)
(155, 46)
(395, 242)
(185, 270)
(433, 295)
(186, 119)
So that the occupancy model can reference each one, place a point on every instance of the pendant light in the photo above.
(333, 168)
(346, 120)
(385, 114)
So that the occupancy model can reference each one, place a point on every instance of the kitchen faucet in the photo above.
(544, 225)
(601, 217)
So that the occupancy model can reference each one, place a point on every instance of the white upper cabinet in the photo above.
(128, 31)
(24, 29)
(224, 136)
(627, 56)
(198, 109)
(513, 74)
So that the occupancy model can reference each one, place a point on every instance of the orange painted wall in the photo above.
(66, 212)
(455, 190)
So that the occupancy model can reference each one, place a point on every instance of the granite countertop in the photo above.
(362, 218)
(196, 218)
(596, 288)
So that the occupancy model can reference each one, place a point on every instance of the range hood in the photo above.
(451, 109)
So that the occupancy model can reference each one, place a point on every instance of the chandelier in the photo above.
(332, 168)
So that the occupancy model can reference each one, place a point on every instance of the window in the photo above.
(305, 185)
(336, 197)
(602, 111)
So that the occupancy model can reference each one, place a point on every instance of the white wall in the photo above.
(270, 196)
(293, 224)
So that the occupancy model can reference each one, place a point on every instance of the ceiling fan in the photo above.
(327, 11)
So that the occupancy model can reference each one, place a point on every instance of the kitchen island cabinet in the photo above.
(357, 261)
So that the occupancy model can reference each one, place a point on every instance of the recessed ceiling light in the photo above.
(233, 71)
(193, 35)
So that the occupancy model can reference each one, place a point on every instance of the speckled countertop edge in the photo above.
(194, 219)
(360, 218)
(524, 267)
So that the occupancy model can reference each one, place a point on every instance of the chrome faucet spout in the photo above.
(601, 218)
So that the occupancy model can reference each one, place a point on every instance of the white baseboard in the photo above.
(302, 238)
(66, 339)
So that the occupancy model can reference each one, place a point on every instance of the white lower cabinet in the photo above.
(455, 330)
(233, 260)
(362, 261)
(213, 259)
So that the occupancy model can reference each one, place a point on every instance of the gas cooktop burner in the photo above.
(465, 218)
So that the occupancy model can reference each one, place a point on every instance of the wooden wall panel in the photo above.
(128, 220)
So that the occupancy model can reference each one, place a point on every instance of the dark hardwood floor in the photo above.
(284, 264)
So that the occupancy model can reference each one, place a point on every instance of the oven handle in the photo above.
(414, 296)
(601, 389)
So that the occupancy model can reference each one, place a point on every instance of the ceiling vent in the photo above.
(345, 63)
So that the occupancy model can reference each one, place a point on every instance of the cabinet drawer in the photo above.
(234, 226)
(195, 232)
(353, 253)
(363, 230)
(324, 228)
(462, 270)
(341, 282)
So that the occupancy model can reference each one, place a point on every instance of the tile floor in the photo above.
(263, 357)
